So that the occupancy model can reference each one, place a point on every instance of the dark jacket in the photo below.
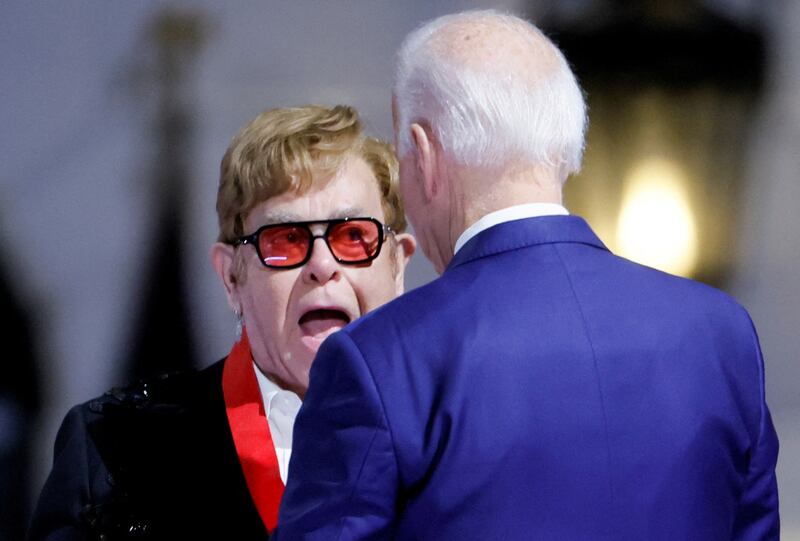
(152, 461)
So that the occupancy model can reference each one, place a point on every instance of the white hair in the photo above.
(489, 116)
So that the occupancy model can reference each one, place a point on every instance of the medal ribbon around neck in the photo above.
(250, 430)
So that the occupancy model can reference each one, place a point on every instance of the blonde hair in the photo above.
(292, 149)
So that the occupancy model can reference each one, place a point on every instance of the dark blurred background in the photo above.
(115, 115)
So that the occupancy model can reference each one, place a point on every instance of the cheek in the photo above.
(406, 180)
(376, 287)
(267, 301)
(405, 190)
(411, 203)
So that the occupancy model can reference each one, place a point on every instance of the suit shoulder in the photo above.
(168, 389)
(409, 310)
(115, 453)
(686, 294)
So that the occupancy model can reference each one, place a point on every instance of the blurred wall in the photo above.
(768, 277)
(77, 190)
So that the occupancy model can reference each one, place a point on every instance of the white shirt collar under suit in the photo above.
(517, 212)
(281, 407)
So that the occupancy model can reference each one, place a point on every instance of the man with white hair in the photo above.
(541, 387)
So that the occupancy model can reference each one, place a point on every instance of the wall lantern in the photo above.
(672, 89)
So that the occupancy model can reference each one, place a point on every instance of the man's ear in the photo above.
(425, 157)
(405, 245)
(222, 259)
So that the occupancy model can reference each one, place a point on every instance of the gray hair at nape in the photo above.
(490, 116)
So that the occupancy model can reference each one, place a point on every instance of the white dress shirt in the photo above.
(517, 212)
(281, 407)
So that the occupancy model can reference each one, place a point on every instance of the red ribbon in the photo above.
(250, 430)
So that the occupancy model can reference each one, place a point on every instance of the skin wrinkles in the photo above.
(273, 301)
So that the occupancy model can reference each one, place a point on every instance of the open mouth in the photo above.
(319, 324)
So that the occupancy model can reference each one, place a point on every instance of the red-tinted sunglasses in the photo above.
(352, 241)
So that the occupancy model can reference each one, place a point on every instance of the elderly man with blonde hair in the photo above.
(311, 238)
(542, 387)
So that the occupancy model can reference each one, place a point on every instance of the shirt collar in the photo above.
(269, 390)
(517, 212)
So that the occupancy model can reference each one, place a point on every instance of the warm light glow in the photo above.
(656, 226)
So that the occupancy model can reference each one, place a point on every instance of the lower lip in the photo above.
(311, 342)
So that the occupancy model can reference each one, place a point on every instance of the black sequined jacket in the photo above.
(152, 461)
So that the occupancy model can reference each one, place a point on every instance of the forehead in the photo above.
(352, 191)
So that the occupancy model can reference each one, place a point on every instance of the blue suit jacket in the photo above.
(541, 388)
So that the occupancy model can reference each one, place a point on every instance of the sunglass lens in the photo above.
(354, 240)
(284, 245)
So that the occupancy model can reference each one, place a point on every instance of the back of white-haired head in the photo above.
(493, 90)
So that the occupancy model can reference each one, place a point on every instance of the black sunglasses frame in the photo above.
(383, 231)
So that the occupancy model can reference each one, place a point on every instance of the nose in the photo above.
(321, 267)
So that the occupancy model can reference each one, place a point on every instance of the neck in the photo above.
(482, 191)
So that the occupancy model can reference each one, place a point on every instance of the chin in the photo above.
(302, 385)
(302, 367)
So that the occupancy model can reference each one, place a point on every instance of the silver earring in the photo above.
(238, 315)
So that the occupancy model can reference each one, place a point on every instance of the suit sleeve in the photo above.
(343, 475)
(758, 508)
(66, 491)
